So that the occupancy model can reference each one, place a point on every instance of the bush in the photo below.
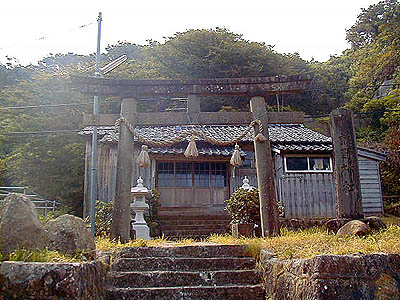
(244, 206)
(104, 212)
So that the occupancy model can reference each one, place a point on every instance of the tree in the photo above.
(52, 165)
(372, 22)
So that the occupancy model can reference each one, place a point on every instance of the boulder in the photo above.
(354, 227)
(334, 225)
(375, 223)
(69, 234)
(393, 210)
(20, 226)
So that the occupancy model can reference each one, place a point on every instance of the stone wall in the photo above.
(362, 277)
(78, 281)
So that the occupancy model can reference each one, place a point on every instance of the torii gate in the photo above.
(256, 88)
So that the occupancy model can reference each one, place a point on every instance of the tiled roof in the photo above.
(204, 151)
(286, 137)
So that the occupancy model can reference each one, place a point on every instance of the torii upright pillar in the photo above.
(265, 171)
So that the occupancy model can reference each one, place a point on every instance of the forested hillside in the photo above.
(52, 163)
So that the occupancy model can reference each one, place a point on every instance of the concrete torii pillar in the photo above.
(265, 171)
(121, 212)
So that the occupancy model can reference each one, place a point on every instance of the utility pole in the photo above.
(93, 172)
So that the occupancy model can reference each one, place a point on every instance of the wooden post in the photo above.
(121, 212)
(193, 106)
(346, 171)
(265, 171)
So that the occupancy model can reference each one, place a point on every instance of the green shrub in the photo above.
(244, 206)
(154, 204)
(104, 212)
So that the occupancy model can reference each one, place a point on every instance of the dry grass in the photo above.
(43, 255)
(316, 241)
(290, 244)
(391, 220)
(105, 243)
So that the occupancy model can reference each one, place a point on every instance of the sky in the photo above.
(31, 30)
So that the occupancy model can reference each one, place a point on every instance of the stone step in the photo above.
(168, 226)
(193, 222)
(178, 278)
(203, 251)
(194, 217)
(183, 264)
(233, 292)
(185, 233)
(192, 237)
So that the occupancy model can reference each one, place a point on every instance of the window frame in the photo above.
(308, 156)
(211, 173)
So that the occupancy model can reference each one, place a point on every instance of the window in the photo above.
(218, 174)
(248, 161)
(188, 174)
(308, 164)
(184, 174)
(165, 174)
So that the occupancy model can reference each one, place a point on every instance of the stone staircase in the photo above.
(209, 272)
(193, 226)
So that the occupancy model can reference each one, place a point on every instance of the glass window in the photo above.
(202, 174)
(248, 160)
(184, 174)
(320, 163)
(166, 174)
(296, 164)
(187, 174)
(308, 163)
(218, 175)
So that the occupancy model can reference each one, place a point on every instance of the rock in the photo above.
(375, 223)
(20, 226)
(334, 224)
(52, 281)
(69, 234)
(326, 277)
(354, 227)
(393, 210)
(386, 288)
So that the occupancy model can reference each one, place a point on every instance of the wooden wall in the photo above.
(371, 192)
(311, 195)
(304, 195)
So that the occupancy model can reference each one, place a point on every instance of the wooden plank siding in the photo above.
(371, 192)
(311, 195)
(307, 195)
(106, 176)
(304, 195)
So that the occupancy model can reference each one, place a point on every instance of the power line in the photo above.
(358, 113)
(62, 131)
(44, 105)
(352, 87)
(46, 37)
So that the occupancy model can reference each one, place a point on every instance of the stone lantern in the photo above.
(246, 184)
(139, 206)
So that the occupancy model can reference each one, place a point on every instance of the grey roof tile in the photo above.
(285, 137)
